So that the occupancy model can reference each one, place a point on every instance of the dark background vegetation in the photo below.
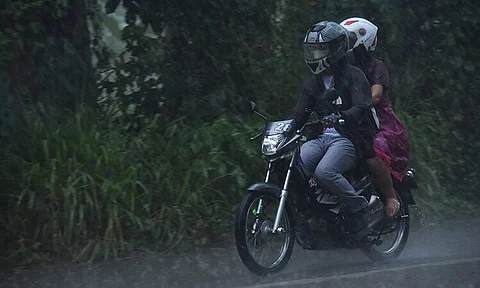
(151, 149)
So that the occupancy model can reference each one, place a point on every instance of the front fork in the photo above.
(260, 202)
(283, 199)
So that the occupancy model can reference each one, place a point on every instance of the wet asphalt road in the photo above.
(441, 255)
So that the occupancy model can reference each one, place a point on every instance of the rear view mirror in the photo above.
(255, 110)
(254, 106)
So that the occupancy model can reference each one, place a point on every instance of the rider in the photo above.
(391, 142)
(338, 149)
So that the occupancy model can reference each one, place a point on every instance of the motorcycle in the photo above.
(289, 206)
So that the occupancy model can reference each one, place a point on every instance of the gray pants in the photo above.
(326, 157)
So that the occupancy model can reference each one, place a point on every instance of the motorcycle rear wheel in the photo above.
(399, 227)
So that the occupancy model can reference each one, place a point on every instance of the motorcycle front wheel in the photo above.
(260, 250)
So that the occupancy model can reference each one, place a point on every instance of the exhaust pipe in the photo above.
(376, 211)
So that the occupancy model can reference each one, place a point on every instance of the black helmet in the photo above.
(324, 45)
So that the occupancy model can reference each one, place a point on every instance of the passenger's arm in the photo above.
(377, 92)
(380, 81)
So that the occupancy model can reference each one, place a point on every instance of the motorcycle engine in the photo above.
(317, 225)
(312, 231)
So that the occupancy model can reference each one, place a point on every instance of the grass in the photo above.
(428, 135)
(84, 189)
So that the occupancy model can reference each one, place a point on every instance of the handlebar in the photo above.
(300, 131)
(309, 123)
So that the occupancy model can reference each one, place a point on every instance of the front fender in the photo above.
(275, 191)
(267, 188)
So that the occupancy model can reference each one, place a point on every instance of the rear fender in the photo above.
(406, 195)
(405, 192)
(408, 183)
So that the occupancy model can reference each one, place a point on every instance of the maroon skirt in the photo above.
(391, 142)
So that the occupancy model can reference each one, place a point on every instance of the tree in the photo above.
(207, 52)
(47, 52)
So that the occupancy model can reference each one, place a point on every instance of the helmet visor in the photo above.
(315, 51)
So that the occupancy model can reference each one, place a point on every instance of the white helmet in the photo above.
(365, 31)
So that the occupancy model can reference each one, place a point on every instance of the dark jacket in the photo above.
(356, 96)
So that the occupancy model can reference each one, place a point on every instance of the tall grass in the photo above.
(433, 154)
(85, 189)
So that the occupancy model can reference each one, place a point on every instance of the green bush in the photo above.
(439, 194)
(91, 187)
(85, 189)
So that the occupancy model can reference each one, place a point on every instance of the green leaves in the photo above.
(205, 56)
(93, 193)
(159, 164)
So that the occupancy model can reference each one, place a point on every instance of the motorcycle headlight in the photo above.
(271, 143)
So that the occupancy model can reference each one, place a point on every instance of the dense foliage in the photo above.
(102, 155)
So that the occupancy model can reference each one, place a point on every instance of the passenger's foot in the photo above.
(392, 206)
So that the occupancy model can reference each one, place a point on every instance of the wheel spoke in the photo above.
(391, 232)
(263, 237)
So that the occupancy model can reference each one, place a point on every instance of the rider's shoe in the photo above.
(359, 222)
(356, 222)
